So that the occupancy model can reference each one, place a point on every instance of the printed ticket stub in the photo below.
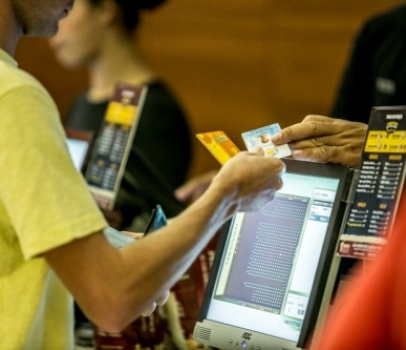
(219, 145)
(262, 137)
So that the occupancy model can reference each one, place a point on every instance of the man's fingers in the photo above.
(312, 126)
(297, 132)
(309, 154)
(258, 150)
(163, 299)
(316, 142)
(317, 118)
(149, 311)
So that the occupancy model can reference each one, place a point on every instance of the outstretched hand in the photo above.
(250, 179)
(323, 139)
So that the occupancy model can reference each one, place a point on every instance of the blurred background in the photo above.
(236, 65)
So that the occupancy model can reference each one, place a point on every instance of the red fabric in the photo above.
(144, 333)
(370, 314)
(189, 291)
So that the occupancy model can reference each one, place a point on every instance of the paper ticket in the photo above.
(262, 137)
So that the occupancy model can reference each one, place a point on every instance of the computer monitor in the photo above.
(79, 142)
(274, 269)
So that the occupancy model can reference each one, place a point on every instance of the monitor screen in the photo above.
(78, 150)
(269, 263)
(79, 142)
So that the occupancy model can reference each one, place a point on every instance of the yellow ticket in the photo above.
(219, 145)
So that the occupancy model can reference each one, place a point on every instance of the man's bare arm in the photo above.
(114, 286)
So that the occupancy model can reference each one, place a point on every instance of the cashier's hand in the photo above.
(324, 139)
(164, 297)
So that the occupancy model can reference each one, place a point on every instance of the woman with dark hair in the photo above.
(100, 35)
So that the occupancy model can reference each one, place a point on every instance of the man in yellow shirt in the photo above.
(51, 240)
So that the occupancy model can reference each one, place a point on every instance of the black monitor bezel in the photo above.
(343, 174)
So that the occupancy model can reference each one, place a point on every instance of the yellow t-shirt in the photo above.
(44, 203)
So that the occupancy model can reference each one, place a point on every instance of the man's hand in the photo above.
(324, 139)
(250, 179)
